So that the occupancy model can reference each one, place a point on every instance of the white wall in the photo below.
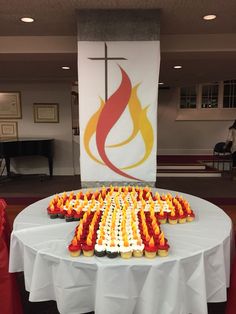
(62, 132)
(175, 137)
(178, 137)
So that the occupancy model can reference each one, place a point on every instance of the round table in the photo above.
(196, 271)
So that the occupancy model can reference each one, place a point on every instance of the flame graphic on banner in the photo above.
(103, 120)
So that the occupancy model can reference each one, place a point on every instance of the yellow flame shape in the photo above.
(146, 131)
(140, 123)
(91, 129)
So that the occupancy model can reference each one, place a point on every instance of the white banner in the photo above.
(118, 85)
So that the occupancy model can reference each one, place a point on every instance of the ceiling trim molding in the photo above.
(68, 44)
(198, 43)
(38, 44)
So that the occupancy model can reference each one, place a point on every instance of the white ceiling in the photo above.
(58, 18)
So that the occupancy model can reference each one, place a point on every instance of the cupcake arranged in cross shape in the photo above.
(120, 221)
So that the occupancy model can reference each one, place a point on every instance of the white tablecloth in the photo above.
(195, 272)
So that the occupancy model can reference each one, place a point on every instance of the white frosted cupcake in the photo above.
(126, 251)
(138, 248)
(112, 249)
(100, 249)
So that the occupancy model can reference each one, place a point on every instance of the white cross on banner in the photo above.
(118, 85)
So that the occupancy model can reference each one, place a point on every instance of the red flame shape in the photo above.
(110, 114)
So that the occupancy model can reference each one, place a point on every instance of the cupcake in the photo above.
(163, 246)
(88, 247)
(172, 217)
(77, 214)
(182, 217)
(74, 248)
(189, 212)
(69, 214)
(190, 216)
(138, 248)
(150, 249)
(62, 212)
(52, 212)
(162, 216)
(112, 249)
(125, 249)
(100, 248)
(156, 232)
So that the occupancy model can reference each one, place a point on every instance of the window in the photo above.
(213, 101)
(229, 98)
(210, 95)
(188, 97)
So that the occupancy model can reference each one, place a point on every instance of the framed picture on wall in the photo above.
(8, 130)
(10, 105)
(46, 113)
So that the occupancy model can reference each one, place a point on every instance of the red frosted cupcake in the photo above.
(62, 212)
(74, 248)
(190, 216)
(163, 246)
(182, 217)
(173, 217)
(88, 247)
(162, 216)
(150, 249)
(52, 211)
(77, 213)
(69, 216)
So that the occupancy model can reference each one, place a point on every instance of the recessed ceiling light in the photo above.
(161, 83)
(178, 67)
(209, 17)
(65, 68)
(27, 19)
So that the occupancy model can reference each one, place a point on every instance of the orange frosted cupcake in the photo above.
(74, 248)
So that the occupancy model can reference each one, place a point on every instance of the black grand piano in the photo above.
(27, 147)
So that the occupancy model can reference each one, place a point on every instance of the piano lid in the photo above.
(25, 139)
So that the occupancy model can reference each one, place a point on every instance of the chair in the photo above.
(221, 155)
(9, 292)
